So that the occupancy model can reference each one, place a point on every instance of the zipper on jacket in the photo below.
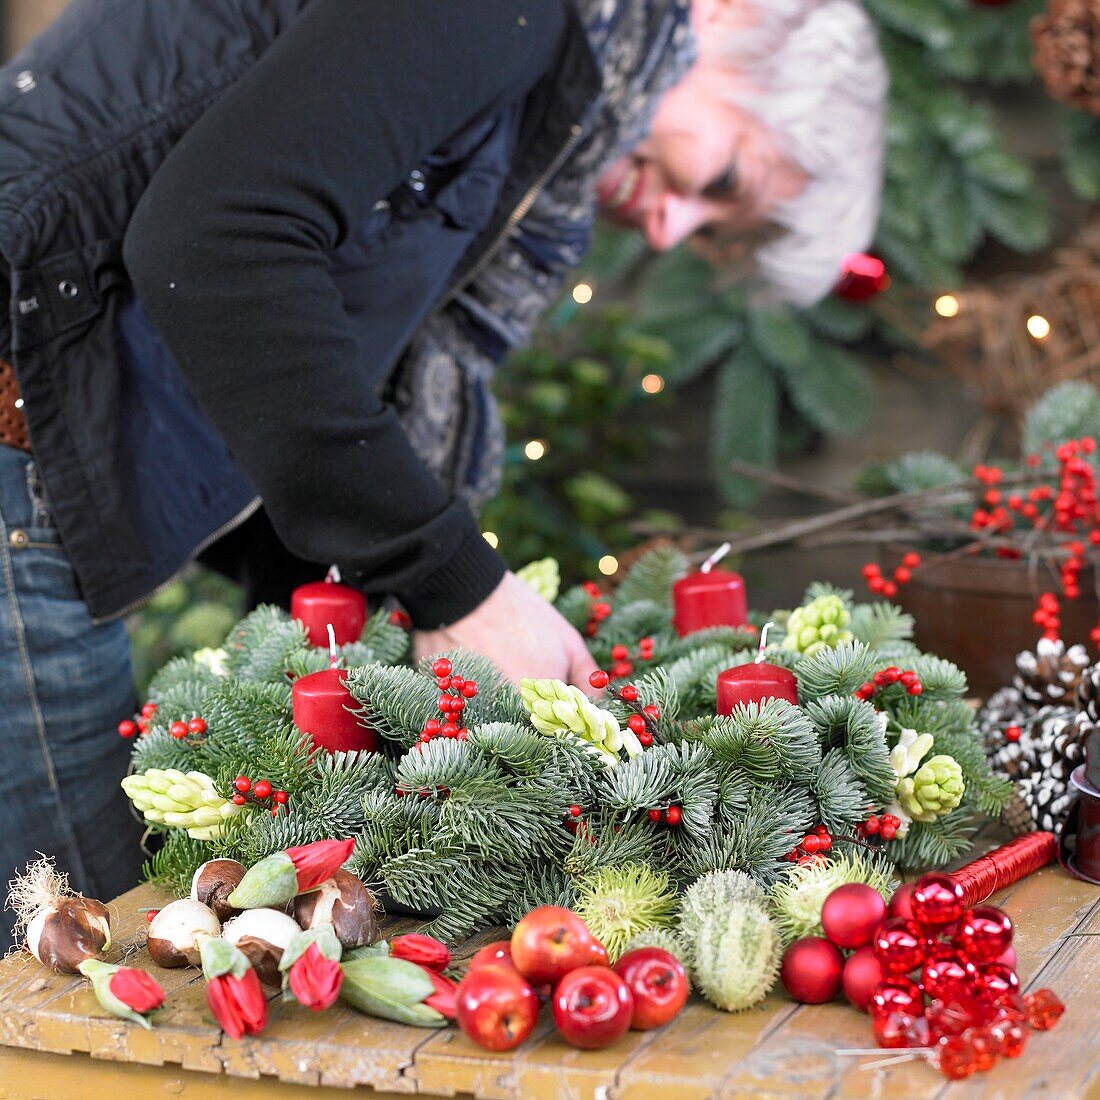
(245, 513)
(517, 215)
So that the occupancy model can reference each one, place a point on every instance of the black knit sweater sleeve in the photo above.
(228, 250)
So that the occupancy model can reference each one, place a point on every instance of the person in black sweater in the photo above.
(271, 251)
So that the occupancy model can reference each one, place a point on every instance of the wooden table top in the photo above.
(55, 1040)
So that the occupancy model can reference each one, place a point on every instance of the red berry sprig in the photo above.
(886, 678)
(811, 847)
(600, 609)
(140, 723)
(262, 793)
(455, 692)
(880, 585)
(401, 618)
(882, 825)
(643, 722)
(670, 815)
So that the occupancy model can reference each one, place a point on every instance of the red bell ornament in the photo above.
(937, 901)
(984, 933)
(899, 945)
(711, 597)
(862, 276)
(320, 603)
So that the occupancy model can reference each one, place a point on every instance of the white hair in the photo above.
(817, 79)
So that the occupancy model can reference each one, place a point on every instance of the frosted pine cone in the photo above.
(1047, 798)
(1067, 52)
(1050, 674)
(1017, 816)
(1004, 708)
(1088, 693)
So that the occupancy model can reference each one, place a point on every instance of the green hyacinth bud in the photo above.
(557, 709)
(935, 789)
(544, 577)
(182, 800)
(821, 624)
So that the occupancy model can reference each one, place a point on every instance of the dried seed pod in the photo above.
(177, 932)
(61, 928)
(263, 935)
(345, 903)
(214, 881)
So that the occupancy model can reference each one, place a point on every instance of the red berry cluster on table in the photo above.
(179, 729)
(456, 691)
(936, 977)
(1064, 506)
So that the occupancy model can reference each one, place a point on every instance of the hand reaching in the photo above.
(520, 633)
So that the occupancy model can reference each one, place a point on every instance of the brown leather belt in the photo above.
(13, 427)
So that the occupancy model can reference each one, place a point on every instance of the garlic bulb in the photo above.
(345, 903)
(263, 935)
(178, 930)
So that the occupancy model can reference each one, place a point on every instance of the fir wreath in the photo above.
(476, 832)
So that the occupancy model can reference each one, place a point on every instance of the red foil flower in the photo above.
(313, 863)
(314, 980)
(238, 1004)
(422, 950)
(136, 989)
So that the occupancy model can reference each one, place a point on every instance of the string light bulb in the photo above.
(947, 305)
(1038, 327)
(653, 383)
(608, 565)
(582, 293)
(535, 449)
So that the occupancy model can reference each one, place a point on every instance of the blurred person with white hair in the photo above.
(262, 260)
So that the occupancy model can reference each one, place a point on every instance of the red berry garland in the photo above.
(455, 692)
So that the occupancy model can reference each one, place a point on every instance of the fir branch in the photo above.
(817, 589)
(182, 685)
(857, 729)
(879, 624)
(396, 702)
(518, 750)
(652, 577)
(174, 865)
(768, 739)
(260, 647)
(940, 679)
(842, 802)
(835, 671)
(381, 642)
(575, 606)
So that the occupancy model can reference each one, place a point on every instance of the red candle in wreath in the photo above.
(711, 597)
(321, 701)
(320, 603)
(755, 682)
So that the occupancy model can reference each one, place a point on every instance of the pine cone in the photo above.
(1048, 799)
(1050, 674)
(1004, 708)
(1088, 693)
(1016, 816)
(1067, 52)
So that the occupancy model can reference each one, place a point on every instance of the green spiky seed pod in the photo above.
(544, 577)
(558, 708)
(934, 790)
(714, 893)
(734, 956)
(181, 800)
(795, 901)
(821, 624)
(619, 903)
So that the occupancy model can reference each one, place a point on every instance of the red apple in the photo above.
(593, 1007)
(496, 1007)
(551, 941)
(658, 982)
(499, 951)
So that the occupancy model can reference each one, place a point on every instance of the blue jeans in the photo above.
(64, 687)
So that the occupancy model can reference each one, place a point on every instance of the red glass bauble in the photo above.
(1044, 1009)
(1008, 958)
(984, 933)
(948, 978)
(863, 974)
(900, 1030)
(899, 945)
(811, 971)
(851, 914)
(935, 948)
(994, 980)
(896, 995)
(901, 904)
(956, 1057)
(955, 1015)
(937, 901)
(861, 277)
(1014, 1037)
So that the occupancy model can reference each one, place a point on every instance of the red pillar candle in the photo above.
(711, 597)
(321, 702)
(755, 682)
(320, 603)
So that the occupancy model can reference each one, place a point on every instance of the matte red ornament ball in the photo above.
(851, 914)
(863, 974)
(811, 970)
(901, 904)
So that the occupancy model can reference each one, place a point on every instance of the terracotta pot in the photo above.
(977, 612)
